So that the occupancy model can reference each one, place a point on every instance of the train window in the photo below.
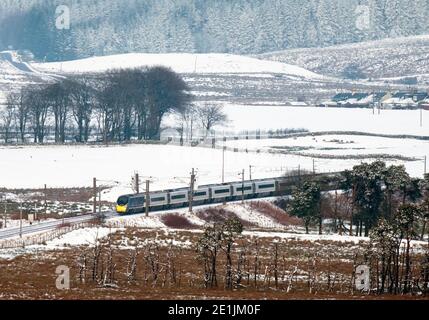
(178, 196)
(123, 200)
(157, 199)
(200, 194)
(266, 186)
(136, 201)
(221, 191)
(245, 188)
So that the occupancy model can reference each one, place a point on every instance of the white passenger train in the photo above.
(175, 198)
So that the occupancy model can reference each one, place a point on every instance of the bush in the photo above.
(176, 221)
(220, 215)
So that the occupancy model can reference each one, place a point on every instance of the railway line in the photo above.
(47, 226)
(328, 183)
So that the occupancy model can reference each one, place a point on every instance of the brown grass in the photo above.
(220, 215)
(280, 216)
(177, 221)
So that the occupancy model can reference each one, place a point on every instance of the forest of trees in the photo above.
(370, 193)
(102, 27)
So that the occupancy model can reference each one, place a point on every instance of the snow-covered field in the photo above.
(169, 166)
(179, 62)
(243, 118)
(165, 166)
(348, 148)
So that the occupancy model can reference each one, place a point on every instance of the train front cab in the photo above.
(122, 204)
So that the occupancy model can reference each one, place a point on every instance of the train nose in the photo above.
(121, 209)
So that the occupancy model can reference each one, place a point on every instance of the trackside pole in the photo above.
(425, 160)
(191, 190)
(20, 219)
(94, 191)
(242, 186)
(147, 198)
(137, 183)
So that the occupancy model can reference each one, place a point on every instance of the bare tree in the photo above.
(211, 115)
(186, 123)
(36, 101)
(58, 99)
(21, 113)
(231, 229)
(7, 116)
(82, 96)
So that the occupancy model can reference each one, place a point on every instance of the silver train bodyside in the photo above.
(176, 198)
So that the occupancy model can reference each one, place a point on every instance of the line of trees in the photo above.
(119, 105)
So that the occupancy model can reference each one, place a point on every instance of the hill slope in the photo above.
(211, 77)
(180, 63)
(397, 57)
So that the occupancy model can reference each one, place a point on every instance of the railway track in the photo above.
(47, 226)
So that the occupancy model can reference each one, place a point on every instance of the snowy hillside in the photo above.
(15, 73)
(179, 62)
(397, 57)
(105, 27)
(10, 76)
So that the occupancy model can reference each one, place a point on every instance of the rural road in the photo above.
(24, 66)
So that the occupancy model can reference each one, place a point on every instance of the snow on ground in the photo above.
(245, 212)
(345, 146)
(154, 221)
(244, 117)
(415, 244)
(179, 62)
(165, 166)
(169, 166)
(340, 145)
(11, 224)
(85, 236)
(305, 237)
(137, 221)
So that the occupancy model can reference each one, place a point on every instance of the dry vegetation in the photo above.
(148, 264)
(274, 212)
(176, 221)
(220, 215)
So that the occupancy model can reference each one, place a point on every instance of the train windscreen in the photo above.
(123, 200)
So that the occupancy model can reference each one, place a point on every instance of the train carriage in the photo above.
(179, 198)
(221, 192)
(239, 189)
(267, 187)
